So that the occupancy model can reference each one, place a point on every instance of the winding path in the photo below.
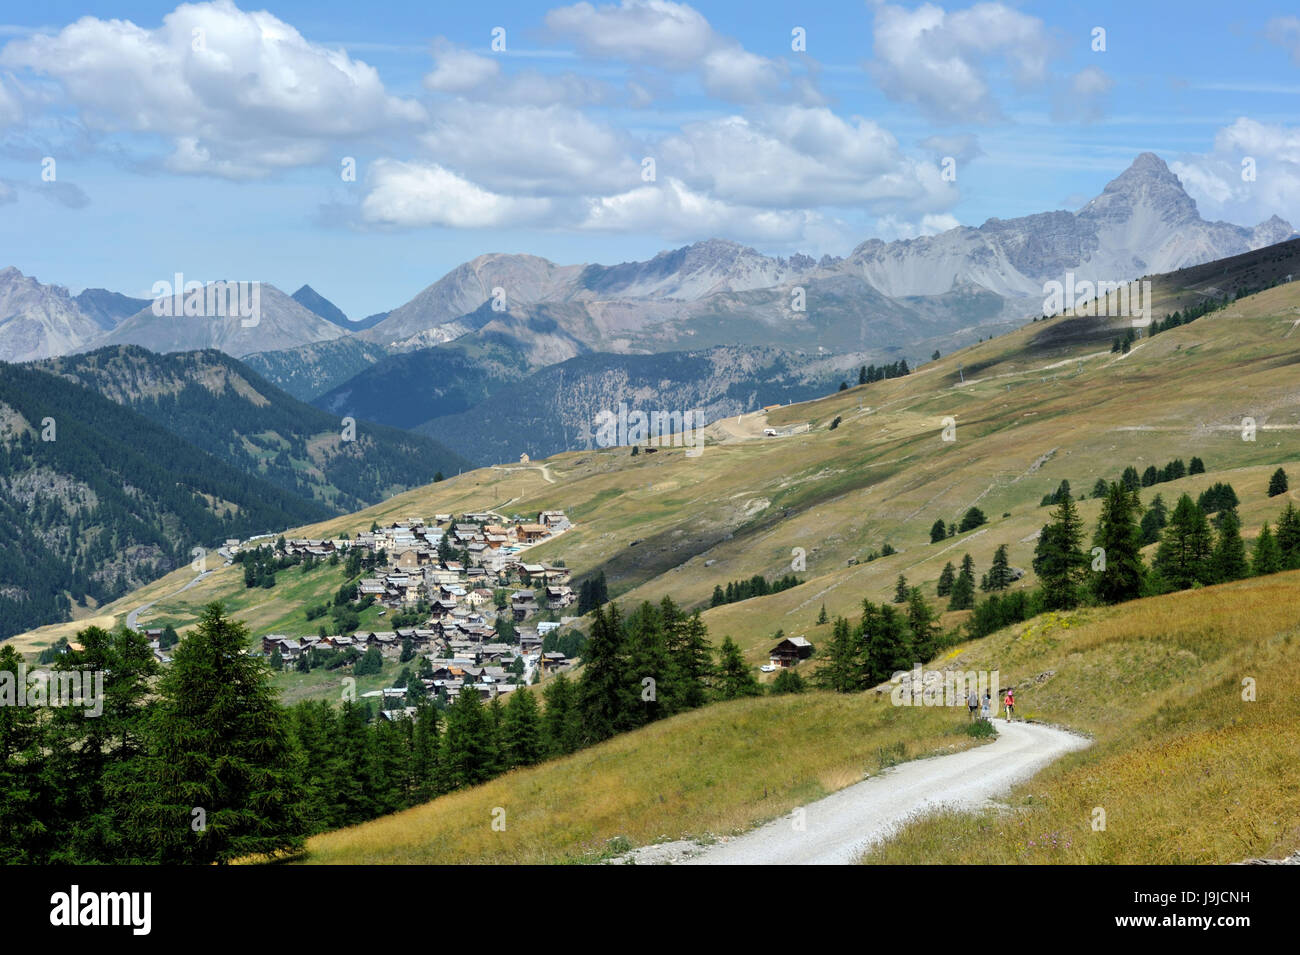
(837, 830)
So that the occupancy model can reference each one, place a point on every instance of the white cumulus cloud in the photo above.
(412, 194)
(1270, 186)
(938, 60)
(238, 93)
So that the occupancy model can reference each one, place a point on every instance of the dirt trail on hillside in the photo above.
(837, 830)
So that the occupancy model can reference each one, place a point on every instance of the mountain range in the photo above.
(1143, 222)
(500, 320)
(215, 403)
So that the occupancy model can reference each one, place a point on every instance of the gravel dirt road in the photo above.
(838, 829)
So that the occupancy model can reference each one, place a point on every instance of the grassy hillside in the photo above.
(709, 772)
(1185, 769)
(1047, 402)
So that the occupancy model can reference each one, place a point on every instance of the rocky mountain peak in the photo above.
(1148, 182)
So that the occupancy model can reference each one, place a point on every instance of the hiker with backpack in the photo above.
(1010, 702)
(972, 702)
(984, 707)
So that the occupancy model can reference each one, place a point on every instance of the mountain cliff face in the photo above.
(314, 301)
(107, 309)
(39, 320)
(881, 295)
(1142, 223)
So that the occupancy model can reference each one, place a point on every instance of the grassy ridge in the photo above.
(1184, 768)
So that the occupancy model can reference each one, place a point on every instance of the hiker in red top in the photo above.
(1010, 702)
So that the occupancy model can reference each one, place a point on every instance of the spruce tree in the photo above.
(25, 793)
(1058, 559)
(841, 671)
(1288, 537)
(99, 759)
(887, 642)
(963, 588)
(734, 676)
(946, 577)
(521, 731)
(923, 625)
(603, 690)
(315, 729)
(821, 617)
(352, 799)
(692, 658)
(561, 718)
(1183, 558)
(388, 765)
(1267, 558)
(424, 753)
(649, 681)
(788, 681)
(1154, 520)
(470, 753)
(999, 576)
(225, 780)
(938, 531)
(1120, 537)
(1228, 561)
(900, 590)
(1277, 484)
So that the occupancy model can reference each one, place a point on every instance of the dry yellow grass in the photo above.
(713, 771)
(1185, 769)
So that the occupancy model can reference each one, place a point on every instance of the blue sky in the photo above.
(219, 153)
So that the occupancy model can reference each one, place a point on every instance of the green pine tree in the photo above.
(888, 644)
(1277, 484)
(1183, 558)
(962, 596)
(999, 576)
(1267, 558)
(692, 657)
(1154, 520)
(521, 731)
(1058, 559)
(923, 625)
(603, 690)
(1288, 537)
(470, 753)
(561, 719)
(900, 590)
(735, 679)
(788, 681)
(1119, 535)
(1228, 561)
(842, 670)
(25, 782)
(946, 578)
(224, 776)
